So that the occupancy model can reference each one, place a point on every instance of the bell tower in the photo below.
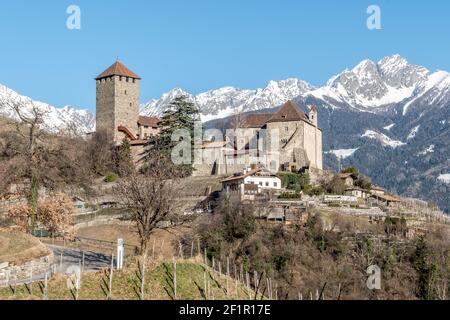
(117, 102)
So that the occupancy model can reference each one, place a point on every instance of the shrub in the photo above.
(111, 178)
(287, 195)
(294, 181)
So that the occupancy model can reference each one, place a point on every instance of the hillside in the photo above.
(17, 247)
(126, 285)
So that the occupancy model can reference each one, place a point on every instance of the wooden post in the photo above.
(199, 252)
(46, 287)
(111, 278)
(153, 249)
(31, 280)
(143, 278)
(204, 285)
(206, 258)
(175, 278)
(192, 250)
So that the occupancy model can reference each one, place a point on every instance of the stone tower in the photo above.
(118, 90)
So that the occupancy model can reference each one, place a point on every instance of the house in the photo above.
(385, 200)
(250, 182)
(348, 178)
(357, 192)
(378, 190)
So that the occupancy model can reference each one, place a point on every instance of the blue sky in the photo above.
(200, 45)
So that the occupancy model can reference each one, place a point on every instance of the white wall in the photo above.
(261, 179)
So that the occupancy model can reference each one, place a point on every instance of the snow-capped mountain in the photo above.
(372, 85)
(56, 120)
(224, 102)
(390, 118)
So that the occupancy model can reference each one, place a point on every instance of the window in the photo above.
(287, 129)
(134, 80)
(128, 79)
(267, 184)
(126, 92)
(120, 78)
(261, 184)
(131, 104)
(146, 127)
(275, 184)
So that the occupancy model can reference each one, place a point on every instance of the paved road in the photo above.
(66, 257)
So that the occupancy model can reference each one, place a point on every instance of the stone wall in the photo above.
(23, 273)
(117, 105)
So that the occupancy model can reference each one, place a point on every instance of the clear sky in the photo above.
(200, 45)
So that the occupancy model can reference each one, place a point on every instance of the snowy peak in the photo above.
(370, 85)
(224, 102)
(56, 120)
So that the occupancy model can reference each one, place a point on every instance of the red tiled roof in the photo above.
(117, 69)
(256, 120)
(149, 121)
(289, 112)
(386, 197)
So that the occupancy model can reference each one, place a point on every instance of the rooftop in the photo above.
(117, 69)
(149, 121)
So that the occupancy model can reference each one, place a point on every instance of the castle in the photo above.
(287, 140)
(117, 107)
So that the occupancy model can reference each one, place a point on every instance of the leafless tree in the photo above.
(29, 129)
(151, 199)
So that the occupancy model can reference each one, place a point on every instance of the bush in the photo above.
(287, 195)
(111, 178)
(316, 191)
(352, 170)
(294, 181)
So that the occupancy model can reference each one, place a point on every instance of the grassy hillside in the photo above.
(17, 247)
(126, 285)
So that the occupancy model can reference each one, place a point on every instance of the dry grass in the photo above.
(18, 248)
(126, 285)
(164, 241)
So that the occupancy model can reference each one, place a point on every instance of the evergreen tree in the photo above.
(180, 115)
(425, 269)
(125, 165)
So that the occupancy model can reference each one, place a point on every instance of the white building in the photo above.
(251, 182)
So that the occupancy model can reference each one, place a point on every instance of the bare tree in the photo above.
(151, 198)
(29, 127)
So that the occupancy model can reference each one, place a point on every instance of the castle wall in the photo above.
(291, 133)
(310, 144)
(127, 95)
(117, 105)
(105, 118)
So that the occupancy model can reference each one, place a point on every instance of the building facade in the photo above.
(287, 140)
(118, 104)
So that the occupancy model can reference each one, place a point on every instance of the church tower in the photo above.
(118, 91)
